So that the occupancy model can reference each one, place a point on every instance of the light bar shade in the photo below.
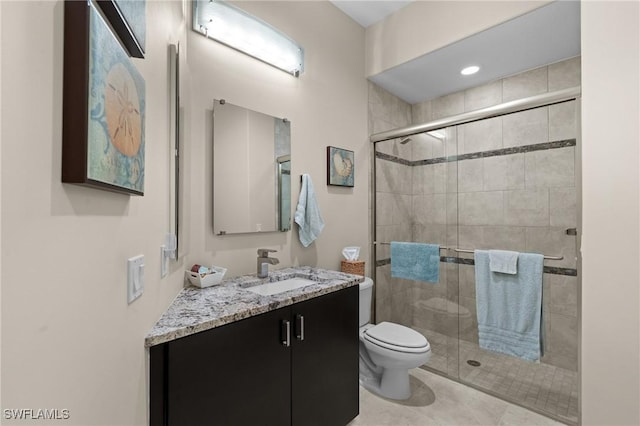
(237, 29)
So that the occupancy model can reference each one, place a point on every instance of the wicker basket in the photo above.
(352, 267)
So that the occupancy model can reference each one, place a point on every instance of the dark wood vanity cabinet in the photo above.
(244, 373)
(324, 366)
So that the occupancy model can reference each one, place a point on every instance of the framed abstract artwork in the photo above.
(103, 123)
(340, 167)
(128, 19)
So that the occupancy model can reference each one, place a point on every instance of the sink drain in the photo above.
(473, 363)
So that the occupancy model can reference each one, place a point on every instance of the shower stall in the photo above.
(501, 177)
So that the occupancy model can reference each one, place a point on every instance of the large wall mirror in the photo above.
(251, 171)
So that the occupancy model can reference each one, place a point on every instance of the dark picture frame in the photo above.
(340, 167)
(128, 20)
(103, 118)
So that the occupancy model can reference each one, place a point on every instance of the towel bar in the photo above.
(459, 250)
(471, 251)
(386, 244)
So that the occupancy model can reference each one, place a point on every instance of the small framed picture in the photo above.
(340, 167)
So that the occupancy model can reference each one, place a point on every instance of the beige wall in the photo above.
(610, 247)
(327, 105)
(424, 26)
(69, 339)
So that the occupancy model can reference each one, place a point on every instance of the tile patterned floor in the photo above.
(543, 387)
(438, 401)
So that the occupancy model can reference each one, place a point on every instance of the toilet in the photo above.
(387, 351)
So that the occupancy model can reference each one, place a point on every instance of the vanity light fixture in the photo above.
(241, 31)
(470, 70)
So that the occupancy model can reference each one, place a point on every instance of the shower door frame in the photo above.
(537, 101)
(505, 108)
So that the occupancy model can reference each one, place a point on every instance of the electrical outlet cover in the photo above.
(135, 277)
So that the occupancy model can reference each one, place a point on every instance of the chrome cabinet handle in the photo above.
(285, 332)
(300, 327)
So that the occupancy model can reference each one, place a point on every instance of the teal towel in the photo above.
(308, 216)
(415, 261)
(509, 307)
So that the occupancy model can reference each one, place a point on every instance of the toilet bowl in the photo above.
(387, 352)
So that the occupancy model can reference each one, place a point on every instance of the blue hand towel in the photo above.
(307, 216)
(415, 261)
(503, 261)
(509, 307)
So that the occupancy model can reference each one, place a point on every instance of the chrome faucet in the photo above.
(264, 261)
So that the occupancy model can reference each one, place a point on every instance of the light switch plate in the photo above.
(135, 277)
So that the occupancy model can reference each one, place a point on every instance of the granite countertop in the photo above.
(198, 309)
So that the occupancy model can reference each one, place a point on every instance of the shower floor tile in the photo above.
(542, 387)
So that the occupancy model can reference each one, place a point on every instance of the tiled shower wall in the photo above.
(504, 183)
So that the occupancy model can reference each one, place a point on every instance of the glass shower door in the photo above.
(517, 191)
(506, 183)
(435, 220)
(416, 185)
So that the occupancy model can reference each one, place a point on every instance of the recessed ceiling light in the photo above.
(470, 70)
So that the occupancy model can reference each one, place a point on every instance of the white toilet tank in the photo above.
(366, 291)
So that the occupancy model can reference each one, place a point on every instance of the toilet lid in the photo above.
(396, 335)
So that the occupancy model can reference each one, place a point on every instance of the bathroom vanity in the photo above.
(226, 355)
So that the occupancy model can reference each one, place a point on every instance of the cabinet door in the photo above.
(325, 363)
(237, 374)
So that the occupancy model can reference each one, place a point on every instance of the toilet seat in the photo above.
(397, 338)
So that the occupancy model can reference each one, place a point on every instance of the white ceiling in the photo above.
(546, 35)
(366, 12)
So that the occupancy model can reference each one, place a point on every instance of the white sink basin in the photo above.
(268, 289)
